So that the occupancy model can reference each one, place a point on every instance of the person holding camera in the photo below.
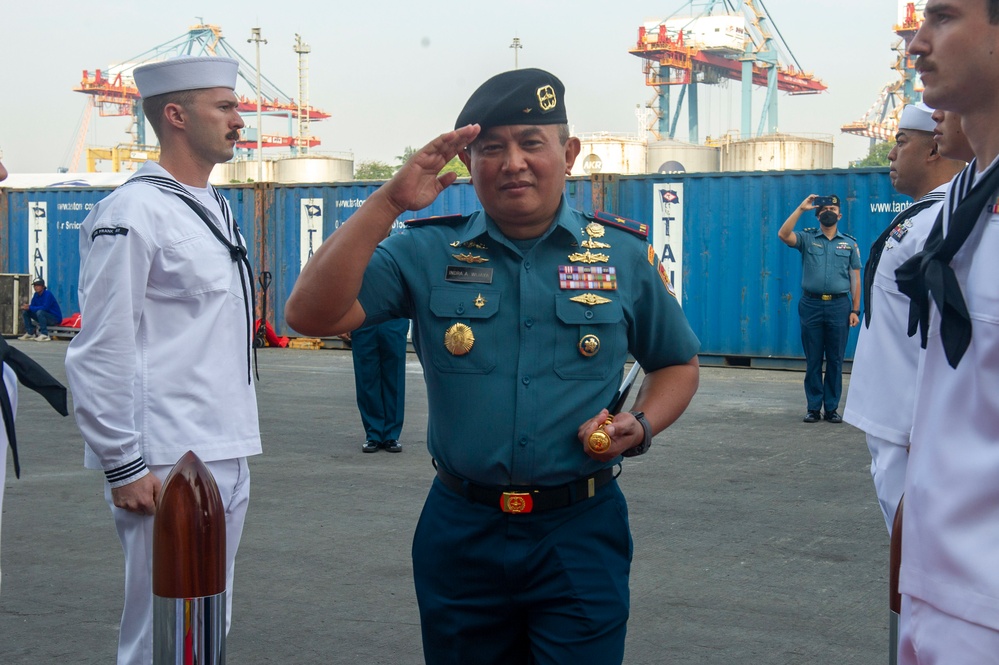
(830, 300)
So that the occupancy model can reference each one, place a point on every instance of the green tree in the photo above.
(876, 156)
(408, 152)
(456, 166)
(373, 170)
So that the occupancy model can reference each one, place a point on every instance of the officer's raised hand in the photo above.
(418, 183)
(808, 203)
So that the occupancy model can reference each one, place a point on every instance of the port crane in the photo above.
(113, 93)
(708, 47)
(881, 120)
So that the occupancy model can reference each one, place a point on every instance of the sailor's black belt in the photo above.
(526, 499)
(824, 296)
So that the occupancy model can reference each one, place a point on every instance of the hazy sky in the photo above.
(394, 73)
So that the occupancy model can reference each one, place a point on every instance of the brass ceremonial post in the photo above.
(189, 568)
(894, 597)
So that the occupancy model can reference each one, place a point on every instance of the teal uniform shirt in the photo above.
(507, 411)
(825, 263)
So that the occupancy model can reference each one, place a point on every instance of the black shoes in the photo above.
(391, 446)
(816, 416)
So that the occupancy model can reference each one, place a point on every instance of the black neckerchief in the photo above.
(237, 251)
(874, 258)
(33, 376)
(929, 272)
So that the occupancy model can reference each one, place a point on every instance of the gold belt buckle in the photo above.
(516, 502)
(827, 296)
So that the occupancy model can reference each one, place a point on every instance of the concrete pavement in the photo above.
(758, 538)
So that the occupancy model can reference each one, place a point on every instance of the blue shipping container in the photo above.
(739, 283)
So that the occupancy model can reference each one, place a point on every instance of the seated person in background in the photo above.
(42, 312)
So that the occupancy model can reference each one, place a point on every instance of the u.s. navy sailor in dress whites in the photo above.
(524, 314)
(949, 579)
(162, 362)
(829, 304)
(884, 365)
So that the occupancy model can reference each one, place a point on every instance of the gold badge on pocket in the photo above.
(589, 345)
(458, 339)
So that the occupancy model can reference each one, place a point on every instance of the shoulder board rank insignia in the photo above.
(809, 230)
(452, 220)
(849, 236)
(637, 228)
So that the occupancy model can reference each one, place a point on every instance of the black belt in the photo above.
(527, 499)
(824, 296)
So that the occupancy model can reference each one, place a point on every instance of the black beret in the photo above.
(519, 97)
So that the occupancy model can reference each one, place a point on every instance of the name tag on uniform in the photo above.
(469, 275)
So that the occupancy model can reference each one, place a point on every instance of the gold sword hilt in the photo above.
(599, 441)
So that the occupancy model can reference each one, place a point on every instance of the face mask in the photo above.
(827, 218)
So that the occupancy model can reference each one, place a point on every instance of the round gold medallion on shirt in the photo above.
(589, 345)
(458, 339)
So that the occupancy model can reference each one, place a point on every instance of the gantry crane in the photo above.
(678, 52)
(114, 94)
(881, 120)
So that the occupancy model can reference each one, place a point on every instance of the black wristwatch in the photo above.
(855, 311)
(643, 447)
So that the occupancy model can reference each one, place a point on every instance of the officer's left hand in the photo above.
(854, 319)
(625, 433)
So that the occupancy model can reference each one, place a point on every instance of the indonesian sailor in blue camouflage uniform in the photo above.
(524, 314)
(830, 300)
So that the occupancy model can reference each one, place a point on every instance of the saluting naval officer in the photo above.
(830, 301)
(161, 364)
(523, 317)
(884, 367)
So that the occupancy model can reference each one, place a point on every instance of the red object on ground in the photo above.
(271, 336)
(71, 321)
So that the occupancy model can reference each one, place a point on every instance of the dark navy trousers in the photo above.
(825, 328)
(380, 377)
(545, 588)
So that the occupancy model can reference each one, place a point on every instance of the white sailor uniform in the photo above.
(161, 363)
(881, 393)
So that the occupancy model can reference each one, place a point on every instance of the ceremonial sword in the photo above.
(599, 441)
